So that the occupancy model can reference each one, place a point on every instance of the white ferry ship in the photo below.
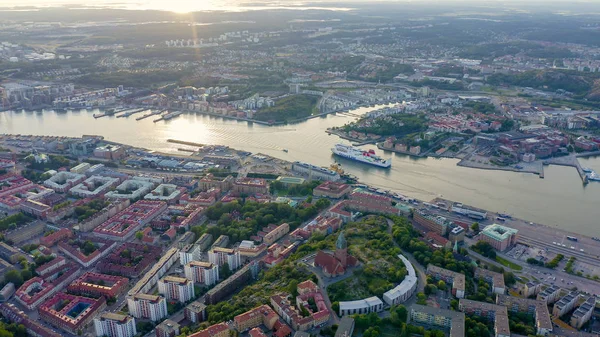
(367, 157)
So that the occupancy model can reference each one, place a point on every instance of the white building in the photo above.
(94, 186)
(190, 253)
(364, 306)
(220, 256)
(79, 169)
(202, 272)
(315, 172)
(164, 192)
(63, 181)
(176, 288)
(152, 307)
(131, 189)
(405, 289)
(114, 325)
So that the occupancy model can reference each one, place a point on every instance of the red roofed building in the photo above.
(282, 330)
(51, 266)
(217, 330)
(125, 223)
(96, 285)
(332, 189)
(52, 239)
(336, 264)
(437, 241)
(256, 332)
(69, 312)
(250, 319)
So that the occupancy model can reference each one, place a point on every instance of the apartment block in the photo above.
(450, 320)
(456, 279)
(176, 288)
(495, 279)
(144, 306)
(202, 272)
(114, 325)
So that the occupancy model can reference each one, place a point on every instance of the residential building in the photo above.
(124, 224)
(241, 277)
(144, 306)
(332, 190)
(210, 181)
(220, 256)
(167, 328)
(132, 189)
(538, 309)
(364, 306)
(195, 312)
(94, 186)
(176, 288)
(434, 317)
(202, 272)
(583, 313)
(63, 181)
(217, 330)
(250, 186)
(496, 313)
(262, 315)
(80, 169)
(10, 253)
(114, 325)
(93, 284)
(565, 304)
(496, 280)
(403, 291)
(345, 328)
(25, 232)
(156, 272)
(549, 295)
(72, 316)
(165, 192)
(456, 279)
(531, 288)
(500, 237)
(276, 233)
(34, 328)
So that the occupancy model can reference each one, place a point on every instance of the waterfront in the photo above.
(558, 200)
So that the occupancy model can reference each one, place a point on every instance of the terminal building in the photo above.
(500, 237)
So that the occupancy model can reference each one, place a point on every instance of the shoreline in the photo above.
(491, 216)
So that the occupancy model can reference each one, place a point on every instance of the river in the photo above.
(558, 200)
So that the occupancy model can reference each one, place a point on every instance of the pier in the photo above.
(152, 113)
(129, 113)
(572, 161)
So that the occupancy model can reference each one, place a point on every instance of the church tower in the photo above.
(341, 250)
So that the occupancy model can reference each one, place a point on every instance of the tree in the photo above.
(441, 285)
(225, 271)
(15, 277)
(139, 235)
(293, 288)
(475, 227)
(398, 315)
(454, 304)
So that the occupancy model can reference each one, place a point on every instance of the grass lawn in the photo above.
(508, 264)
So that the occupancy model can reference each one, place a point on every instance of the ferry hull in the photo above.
(347, 156)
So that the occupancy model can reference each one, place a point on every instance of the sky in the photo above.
(184, 6)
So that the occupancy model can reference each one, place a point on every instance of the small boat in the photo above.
(587, 170)
(285, 150)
